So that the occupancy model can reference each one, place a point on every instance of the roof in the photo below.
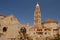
(40, 28)
(2, 15)
(50, 21)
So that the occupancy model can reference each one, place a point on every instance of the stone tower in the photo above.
(37, 15)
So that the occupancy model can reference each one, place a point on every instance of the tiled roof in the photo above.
(50, 21)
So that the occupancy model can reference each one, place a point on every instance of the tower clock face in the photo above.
(4, 29)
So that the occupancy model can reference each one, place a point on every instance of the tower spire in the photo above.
(37, 3)
(37, 15)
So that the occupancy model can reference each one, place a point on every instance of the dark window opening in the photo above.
(4, 29)
(45, 29)
(55, 29)
(45, 32)
(40, 33)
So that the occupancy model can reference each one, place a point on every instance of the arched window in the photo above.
(4, 29)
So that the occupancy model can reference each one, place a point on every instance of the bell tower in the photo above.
(37, 15)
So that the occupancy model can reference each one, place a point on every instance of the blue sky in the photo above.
(24, 9)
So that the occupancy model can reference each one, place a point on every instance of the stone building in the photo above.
(10, 28)
(43, 30)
